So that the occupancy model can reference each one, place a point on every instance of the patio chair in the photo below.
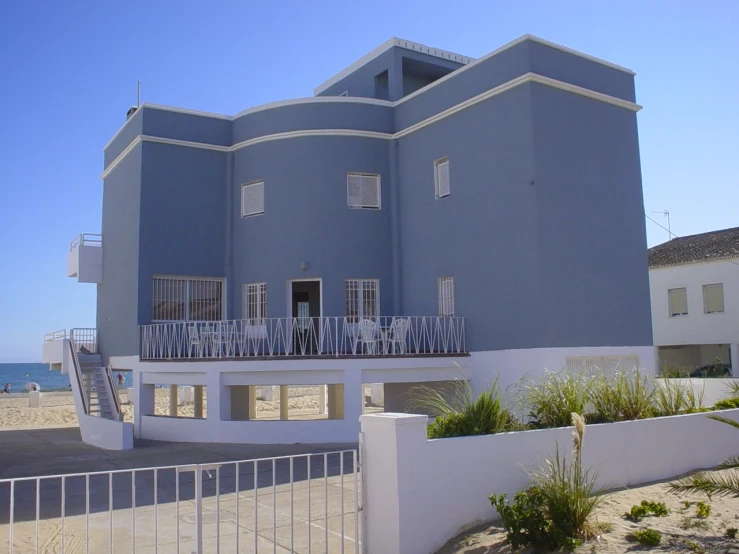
(368, 336)
(397, 335)
(193, 340)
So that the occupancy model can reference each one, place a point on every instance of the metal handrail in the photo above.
(78, 374)
(114, 391)
(55, 335)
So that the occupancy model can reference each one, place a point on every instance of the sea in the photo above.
(20, 374)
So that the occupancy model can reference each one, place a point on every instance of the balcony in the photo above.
(85, 258)
(310, 337)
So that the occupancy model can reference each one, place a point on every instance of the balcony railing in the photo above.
(304, 337)
(86, 239)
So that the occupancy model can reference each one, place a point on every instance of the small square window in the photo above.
(713, 298)
(678, 302)
(442, 186)
(363, 191)
(252, 199)
(446, 296)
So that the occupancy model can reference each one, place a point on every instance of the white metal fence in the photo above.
(86, 239)
(315, 336)
(307, 503)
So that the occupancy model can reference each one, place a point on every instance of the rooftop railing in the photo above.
(86, 239)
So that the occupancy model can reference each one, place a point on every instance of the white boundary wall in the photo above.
(420, 493)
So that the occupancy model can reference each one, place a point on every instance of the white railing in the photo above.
(85, 339)
(314, 499)
(316, 336)
(77, 370)
(61, 334)
(86, 239)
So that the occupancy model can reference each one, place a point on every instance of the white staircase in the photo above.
(97, 388)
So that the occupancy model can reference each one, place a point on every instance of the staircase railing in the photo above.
(114, 393)
(78, 376)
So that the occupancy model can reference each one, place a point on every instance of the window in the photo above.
(441, 178)
(678, 301)
(446, 296)
(255, 302)
(187, 299)
(362, 299)
(713, 298)
(252, 199)
(363, 191)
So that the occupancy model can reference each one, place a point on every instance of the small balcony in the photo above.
(85, 258)
(309, 337)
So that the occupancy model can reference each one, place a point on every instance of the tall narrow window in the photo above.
(187, 299)
(363, 191)
(678, 301)
(441, 178)
(713, 298)
(255, 302)
(362, 299)
(252, 199)
(446, 296)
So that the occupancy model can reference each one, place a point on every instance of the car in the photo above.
(712, 370)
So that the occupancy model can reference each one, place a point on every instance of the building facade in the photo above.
(694, 284)
(485, 214)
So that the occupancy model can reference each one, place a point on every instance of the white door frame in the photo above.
(289, 307)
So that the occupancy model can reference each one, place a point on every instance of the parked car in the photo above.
(712, 370)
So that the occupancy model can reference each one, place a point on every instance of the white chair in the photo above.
(397, 334)
(368, 336)
(193, 340)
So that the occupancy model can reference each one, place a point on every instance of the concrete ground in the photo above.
(281, 513)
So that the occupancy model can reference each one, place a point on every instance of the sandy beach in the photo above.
(681, 530)
(57, 409)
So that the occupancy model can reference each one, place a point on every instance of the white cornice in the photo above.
(527, 78)
(384, 47)
(133, 144)
(316, 100)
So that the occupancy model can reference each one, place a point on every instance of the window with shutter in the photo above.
(678, 302)
(255, 302)
(363, 191)
(446, 296)
(362, 299)
(713, 298)
(441, 178)
(252, 199)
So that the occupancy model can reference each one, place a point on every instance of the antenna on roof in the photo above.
(666, 213)
(138, 94)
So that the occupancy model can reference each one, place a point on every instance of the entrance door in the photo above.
(306, 313)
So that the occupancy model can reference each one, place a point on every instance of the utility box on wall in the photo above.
(85, 258)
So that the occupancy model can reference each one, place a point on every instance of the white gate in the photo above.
(308, 503)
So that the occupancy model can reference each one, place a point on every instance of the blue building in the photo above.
(424, 216)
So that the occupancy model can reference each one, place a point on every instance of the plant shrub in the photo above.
(727, 403)
(625, 396)
(460, 414)
(702, 510)
(551, 401)
(673, 397)
(731, 532)
(648, 537)
(554, 513)
(646, 508)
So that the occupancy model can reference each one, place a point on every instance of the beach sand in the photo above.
(57, 409)
(681, 530)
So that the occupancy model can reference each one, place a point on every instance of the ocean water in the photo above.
(20, 374)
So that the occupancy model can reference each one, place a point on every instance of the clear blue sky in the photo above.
(68, 73)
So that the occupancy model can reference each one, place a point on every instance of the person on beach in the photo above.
(120, 380)
(6, 390)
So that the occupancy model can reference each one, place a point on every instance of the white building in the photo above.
(694, 287)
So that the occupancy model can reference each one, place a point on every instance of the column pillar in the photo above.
(284, 406)
(335, 401)
(322, 400)
(198, 401)
(734, 357)
(252, 402)
(173, 400)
